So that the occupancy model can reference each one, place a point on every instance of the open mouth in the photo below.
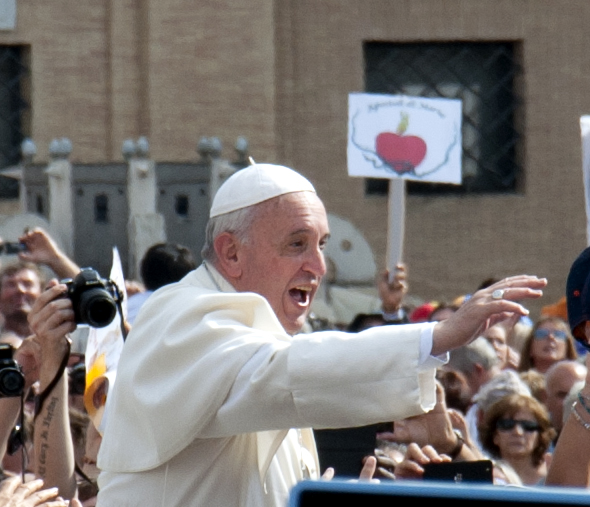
(301, 295)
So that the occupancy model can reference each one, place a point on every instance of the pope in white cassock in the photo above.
(215, 390)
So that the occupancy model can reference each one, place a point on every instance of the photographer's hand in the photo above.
(51, 318)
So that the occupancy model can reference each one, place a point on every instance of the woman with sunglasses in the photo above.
(550, 341)
(516, 429)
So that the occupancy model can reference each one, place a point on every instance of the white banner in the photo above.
(102, 353)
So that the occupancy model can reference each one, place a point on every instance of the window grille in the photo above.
(14, 109)
(485, 76)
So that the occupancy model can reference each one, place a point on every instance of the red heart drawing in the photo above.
(401, 153)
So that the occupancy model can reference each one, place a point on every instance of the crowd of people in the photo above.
(217, 386)
(507, 393)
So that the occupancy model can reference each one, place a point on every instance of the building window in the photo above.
(39, 206)
(14, 111)
(181, 206)
(485, 76)
(101, 208)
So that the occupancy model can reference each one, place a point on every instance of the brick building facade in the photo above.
(279, 72)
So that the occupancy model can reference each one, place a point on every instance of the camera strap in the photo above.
(22, 436)
(41, 397)
(122, 320)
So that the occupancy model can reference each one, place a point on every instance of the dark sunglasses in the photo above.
(510, 424)
(541, 334)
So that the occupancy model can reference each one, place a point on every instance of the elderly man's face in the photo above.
(283, 259)
(559, 384)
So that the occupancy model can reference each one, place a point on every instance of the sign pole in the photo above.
(396, 214)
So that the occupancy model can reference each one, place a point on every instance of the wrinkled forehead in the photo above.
(291, 209)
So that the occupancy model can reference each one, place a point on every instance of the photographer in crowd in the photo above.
(42, 358)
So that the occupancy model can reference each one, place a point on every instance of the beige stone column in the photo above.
(61, 209)
(146, 226)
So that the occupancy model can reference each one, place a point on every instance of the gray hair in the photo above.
(479, 351)
(237, 222)
(504, 384)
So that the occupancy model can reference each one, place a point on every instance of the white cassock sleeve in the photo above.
(329, 379)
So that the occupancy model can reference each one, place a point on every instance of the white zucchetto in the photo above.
(255, 184)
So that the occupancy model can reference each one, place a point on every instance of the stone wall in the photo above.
(452, 242)
(280, 72)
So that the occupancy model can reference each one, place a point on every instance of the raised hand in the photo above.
(485, 308)
(415, 459)
(392, 288)
(42, 249)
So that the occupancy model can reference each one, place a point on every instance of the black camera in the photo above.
(94, 299)
(12, 247)
(12, 380)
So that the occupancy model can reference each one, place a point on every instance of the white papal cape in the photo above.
(209, 385)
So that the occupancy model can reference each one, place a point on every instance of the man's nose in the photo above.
(316, 263)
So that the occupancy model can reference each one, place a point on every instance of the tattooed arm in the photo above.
(51, 319)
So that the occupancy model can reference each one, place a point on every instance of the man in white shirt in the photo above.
(214, 392)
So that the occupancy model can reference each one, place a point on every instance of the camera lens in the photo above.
(97, 307)
(12, 382)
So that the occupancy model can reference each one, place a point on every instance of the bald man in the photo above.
(215, 392)
(559, 379)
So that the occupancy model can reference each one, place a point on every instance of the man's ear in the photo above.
(226, 247)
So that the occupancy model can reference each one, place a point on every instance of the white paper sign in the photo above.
(7, 14)
(395, 136)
